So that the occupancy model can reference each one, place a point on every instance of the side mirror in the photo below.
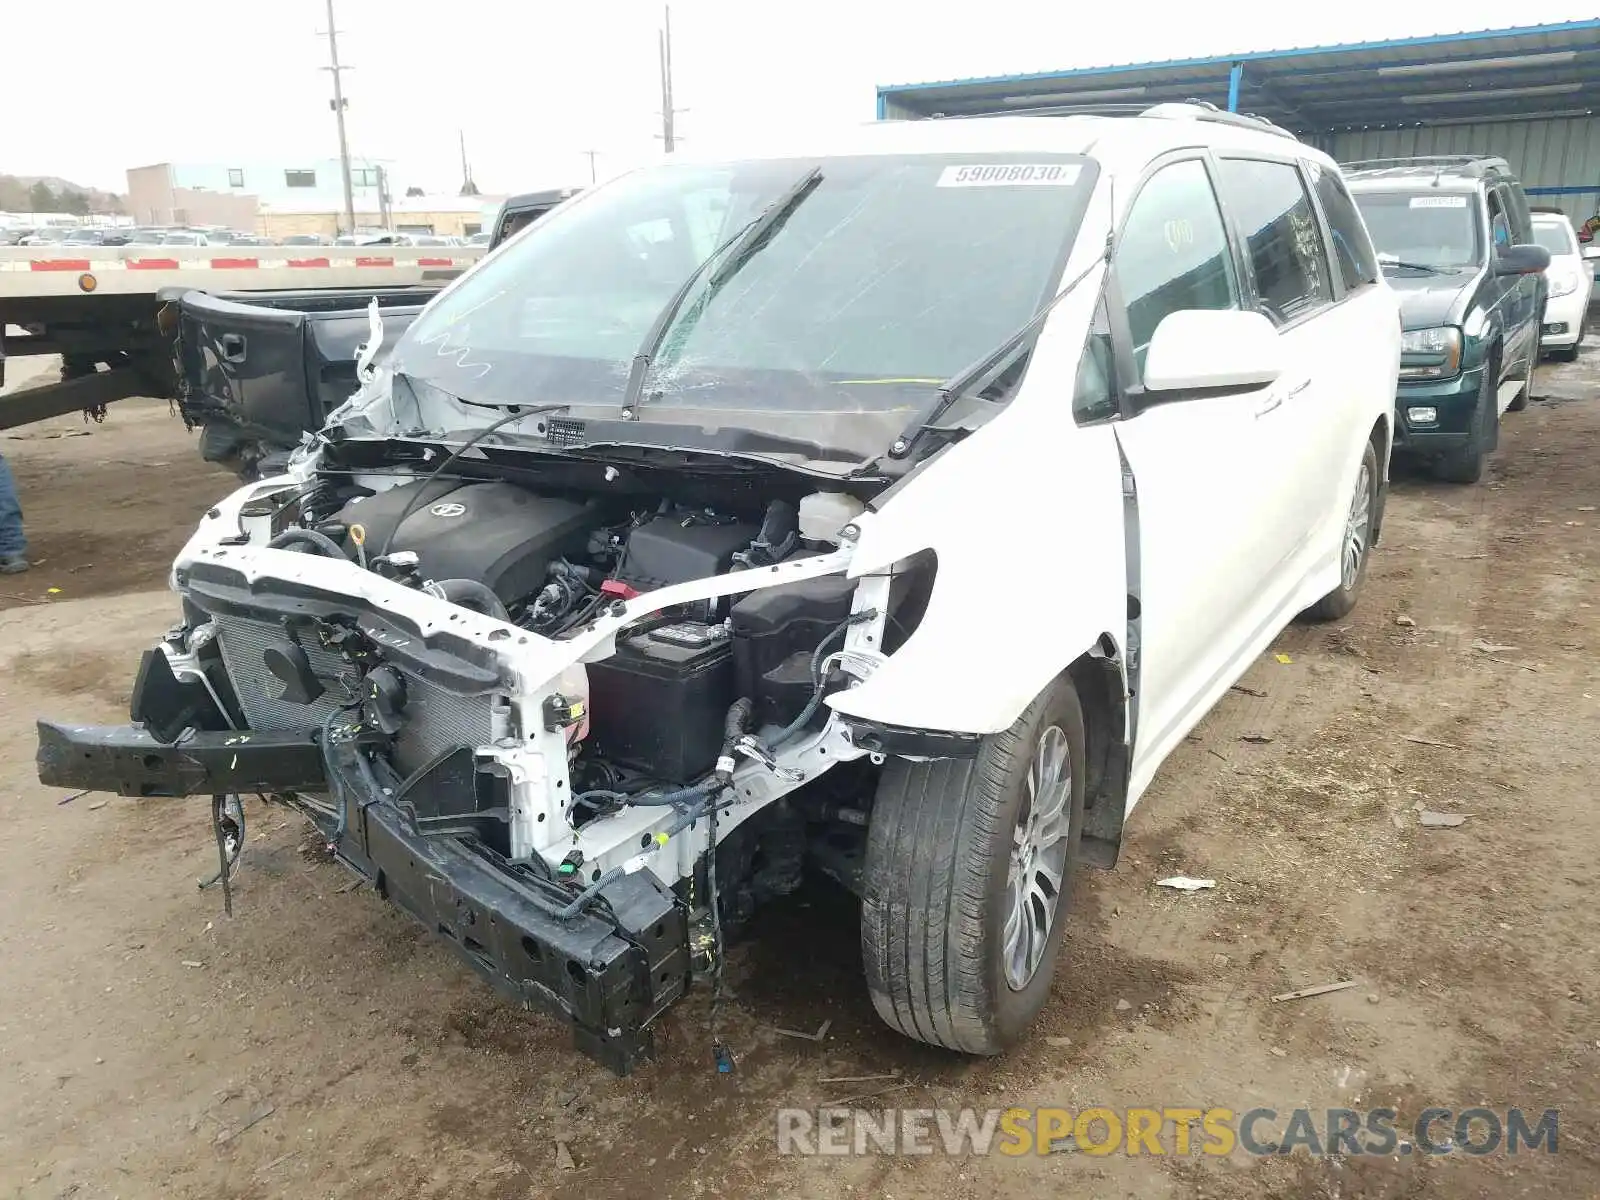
(1523, 259)
(1205, 350)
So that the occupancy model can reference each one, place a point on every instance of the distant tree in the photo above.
(415, 191)
(112, 203)
(73, 202)
(41, 198)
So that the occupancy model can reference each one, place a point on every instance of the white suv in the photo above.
(1561, 331)
(889, 505)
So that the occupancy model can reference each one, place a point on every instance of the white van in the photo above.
(887, 505)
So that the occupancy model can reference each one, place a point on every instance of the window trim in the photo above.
(1104, 305)
(1294, 162)
(1132, 399)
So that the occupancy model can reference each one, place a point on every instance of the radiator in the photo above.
(437, 720)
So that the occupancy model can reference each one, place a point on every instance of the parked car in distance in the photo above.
(481, 238)
(146, 235)
(303, 239)
(184, 237)
(1455, 236)
(1164, 373)
(85, 236)
(47, 236)
(1569, 278)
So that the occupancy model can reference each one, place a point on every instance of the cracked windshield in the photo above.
(825, 287)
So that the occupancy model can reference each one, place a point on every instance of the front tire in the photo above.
(1355, 543)
(1466, 464)
(968, 874)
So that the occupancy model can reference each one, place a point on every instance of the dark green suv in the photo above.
(1455, 239)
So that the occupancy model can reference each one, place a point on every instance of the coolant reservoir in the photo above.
(823, 514)
(574, 685)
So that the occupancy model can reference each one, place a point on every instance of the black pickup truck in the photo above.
(256, 370)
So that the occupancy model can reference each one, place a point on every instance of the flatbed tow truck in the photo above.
(255, 344)
(106, 310)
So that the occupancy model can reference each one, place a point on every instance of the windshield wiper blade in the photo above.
(963, 381)
(1411, 266)
(739, 248)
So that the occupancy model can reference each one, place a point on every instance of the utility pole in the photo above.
(592, 155)
(338, 105)
(468, 188)
(664, 44)
(385, 212)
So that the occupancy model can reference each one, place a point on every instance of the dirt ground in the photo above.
(319, 1044)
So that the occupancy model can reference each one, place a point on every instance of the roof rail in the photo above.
(1478, 164)
(1086, 109)
(1201, 110)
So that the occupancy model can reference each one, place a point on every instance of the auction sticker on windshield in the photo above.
(1011, 175)
(1438, 202)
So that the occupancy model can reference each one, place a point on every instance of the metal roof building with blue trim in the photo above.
(1528, 94)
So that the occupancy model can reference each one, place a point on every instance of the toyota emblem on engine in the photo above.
(448, 509)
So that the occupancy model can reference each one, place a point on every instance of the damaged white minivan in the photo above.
(886, 507)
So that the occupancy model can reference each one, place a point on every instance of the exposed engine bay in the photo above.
(655, 710)
(473, 686)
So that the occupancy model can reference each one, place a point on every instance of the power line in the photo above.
(338, 104)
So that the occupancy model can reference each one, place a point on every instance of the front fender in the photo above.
(1025, 518)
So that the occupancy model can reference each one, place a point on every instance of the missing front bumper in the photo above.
(609, 971)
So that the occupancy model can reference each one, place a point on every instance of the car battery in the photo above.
(658, 705)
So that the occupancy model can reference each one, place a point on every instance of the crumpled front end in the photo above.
(543, 801)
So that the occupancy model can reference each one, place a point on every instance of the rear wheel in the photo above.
(1355, 542)
(969, 865)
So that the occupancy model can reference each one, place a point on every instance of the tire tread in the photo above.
(922, 922)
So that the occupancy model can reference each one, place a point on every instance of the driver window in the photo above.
(1173, 253)
(1499, 223)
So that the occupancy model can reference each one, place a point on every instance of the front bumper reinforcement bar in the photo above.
(127, 761)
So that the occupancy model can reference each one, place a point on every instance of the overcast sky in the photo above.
(91, 87)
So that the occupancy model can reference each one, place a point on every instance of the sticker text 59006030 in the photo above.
(1010, 175)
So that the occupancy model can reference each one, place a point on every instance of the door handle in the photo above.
(1275, 398)
(232, 347)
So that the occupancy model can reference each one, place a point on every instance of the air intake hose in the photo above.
(469, 593)
(310, 539)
